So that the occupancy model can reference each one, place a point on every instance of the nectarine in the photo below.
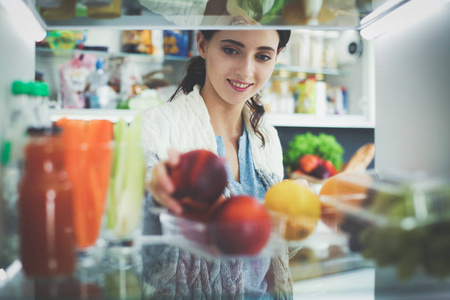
(200, 178)
(240, 226)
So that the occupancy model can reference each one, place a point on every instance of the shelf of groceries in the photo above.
(359, 222)
(305, 90)
(276, 119)
(48, 52)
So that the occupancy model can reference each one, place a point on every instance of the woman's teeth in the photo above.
(239, 85)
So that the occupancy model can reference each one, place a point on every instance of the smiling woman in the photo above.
(216, 107)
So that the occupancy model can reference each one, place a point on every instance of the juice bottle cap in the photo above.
(6, 153)
(41, 89)
(39, 131)
(19, 87)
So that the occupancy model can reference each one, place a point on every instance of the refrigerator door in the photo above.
(17, 62)
(412, 96)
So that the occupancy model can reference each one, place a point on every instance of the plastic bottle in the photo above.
(18, 119)
(47, 243)
(321, 96)
(99, 91)
(307, 99)
(40, 103)
(20, 116)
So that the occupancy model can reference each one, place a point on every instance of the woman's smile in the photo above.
(238, 64)
(239, 85)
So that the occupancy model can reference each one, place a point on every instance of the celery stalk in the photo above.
(128, 179)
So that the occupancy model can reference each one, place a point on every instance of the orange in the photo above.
(297, 205)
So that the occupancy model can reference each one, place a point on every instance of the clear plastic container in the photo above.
(397, 219)
(202, 238)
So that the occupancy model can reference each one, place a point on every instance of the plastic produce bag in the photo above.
(74, 78)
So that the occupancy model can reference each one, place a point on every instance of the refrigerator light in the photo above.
(25, 21)
(401, 17)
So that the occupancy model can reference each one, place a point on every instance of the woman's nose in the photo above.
(245, 67)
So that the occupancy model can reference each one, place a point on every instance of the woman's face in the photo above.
(238, 63)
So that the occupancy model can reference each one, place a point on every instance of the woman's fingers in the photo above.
(161, 187)
(162, 179)
(302, 182)
(173, 157)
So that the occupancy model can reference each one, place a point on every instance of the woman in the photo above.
(216, 107)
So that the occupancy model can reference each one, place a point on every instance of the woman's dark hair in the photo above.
(196, 74)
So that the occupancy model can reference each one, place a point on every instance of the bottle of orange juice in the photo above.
(47, 242)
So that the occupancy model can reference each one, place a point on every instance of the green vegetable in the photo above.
(323, 145)
(127, 185)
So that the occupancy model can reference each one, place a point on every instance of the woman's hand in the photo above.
(162, 187)
(304, 182)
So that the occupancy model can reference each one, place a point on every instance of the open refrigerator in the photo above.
(410, 54)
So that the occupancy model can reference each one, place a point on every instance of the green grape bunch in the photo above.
(408, 248)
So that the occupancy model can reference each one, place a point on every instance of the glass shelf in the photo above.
(218, 14)
(48, 52)
(327, 121)
(278, 120)
(112, 115)
(294, 69)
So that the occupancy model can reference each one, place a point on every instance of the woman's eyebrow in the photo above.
(239, 44)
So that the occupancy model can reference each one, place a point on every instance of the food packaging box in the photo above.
(396, 219)
(212, 240)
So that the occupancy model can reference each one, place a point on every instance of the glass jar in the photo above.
(47, 243)
(65, 11)
(111, 11)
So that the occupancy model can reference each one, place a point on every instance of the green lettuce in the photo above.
(324, 145)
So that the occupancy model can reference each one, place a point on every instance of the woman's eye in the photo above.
(229, 51)
(263, 57)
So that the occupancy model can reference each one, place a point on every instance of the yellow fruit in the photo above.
(298, 204)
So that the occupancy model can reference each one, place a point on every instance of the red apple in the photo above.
(240, 226)
(200, 178)
(308, 162)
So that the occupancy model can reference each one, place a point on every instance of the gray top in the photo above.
(169, 272)
(254, 270)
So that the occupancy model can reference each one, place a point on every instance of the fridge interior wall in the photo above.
(412, 96)
(17, 59)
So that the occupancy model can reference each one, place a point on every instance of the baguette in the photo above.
(361, 159)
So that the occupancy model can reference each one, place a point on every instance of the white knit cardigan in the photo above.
(170, 272)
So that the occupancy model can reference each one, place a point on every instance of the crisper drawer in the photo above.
(399, 220)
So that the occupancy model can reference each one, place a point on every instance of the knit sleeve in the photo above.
(279, 278)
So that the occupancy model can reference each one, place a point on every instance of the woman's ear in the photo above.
(201, 44)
